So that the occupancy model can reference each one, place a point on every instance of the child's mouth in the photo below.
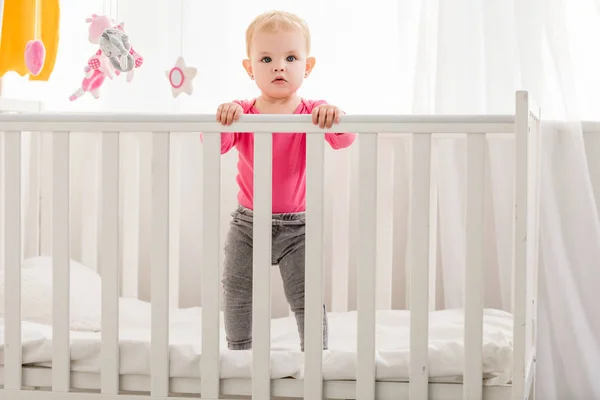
(279, 79)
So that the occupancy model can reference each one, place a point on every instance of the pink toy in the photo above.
(98, 23)
(99, 60)
(98, 66)
(35, 55)
(94, 78)
(35, 52)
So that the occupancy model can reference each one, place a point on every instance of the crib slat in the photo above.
(31, 220)
(401, 273)
(367, 262)
(12, 259)
(159, 266)
(211, 209)
(385, 201)
(340, 204)
(313, 287)
(61, 357)
(261, 282)
(46, 193)
(433, 223)
(174, 221)
(90, 201)
(129, 187)
(474, 279)
(419, 266)
(110, 263)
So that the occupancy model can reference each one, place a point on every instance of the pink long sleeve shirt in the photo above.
(289, 161)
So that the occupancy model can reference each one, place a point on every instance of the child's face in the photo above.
(278, 62)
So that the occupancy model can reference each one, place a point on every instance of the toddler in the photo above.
(278, 48)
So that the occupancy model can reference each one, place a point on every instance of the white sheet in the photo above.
(339, 362)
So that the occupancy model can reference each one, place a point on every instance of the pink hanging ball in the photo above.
(35, 55)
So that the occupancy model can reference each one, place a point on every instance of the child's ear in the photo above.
(248, 67)
(310, 64)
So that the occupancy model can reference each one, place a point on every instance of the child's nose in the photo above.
(279, 69)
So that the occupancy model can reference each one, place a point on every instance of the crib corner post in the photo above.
(520, 244)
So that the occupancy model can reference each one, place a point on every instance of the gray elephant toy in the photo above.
(115, 45)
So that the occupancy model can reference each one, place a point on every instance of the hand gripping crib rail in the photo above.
(26, 382)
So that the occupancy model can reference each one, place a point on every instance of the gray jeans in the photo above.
(287, 252)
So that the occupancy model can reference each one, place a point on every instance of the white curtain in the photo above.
(386, 57)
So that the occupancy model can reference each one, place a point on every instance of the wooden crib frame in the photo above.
(29, 383)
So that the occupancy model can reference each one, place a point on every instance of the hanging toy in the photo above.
(98, 67)
(114, 47)
(18, 22)
(100, 62)
(91, 83)
(139, 60)
(180, 76)
(98, 23)
(35, 56)
(35, 52)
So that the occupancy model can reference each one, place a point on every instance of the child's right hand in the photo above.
(229, 112)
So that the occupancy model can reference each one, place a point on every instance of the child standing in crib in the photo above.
(278, 48)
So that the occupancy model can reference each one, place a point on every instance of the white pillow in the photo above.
(36, 294)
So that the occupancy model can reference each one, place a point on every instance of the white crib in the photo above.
(58, 376)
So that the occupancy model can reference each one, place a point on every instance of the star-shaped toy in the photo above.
(180, 78)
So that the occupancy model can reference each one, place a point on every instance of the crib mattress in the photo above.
(446, 346)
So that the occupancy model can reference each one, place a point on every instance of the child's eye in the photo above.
(266, 59)
(291, 58)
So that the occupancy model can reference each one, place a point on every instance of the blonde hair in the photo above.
(274, 21)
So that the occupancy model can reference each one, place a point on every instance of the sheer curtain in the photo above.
(383, 57)
(476, 54)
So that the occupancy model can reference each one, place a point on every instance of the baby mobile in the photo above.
(35, 52)
(114, 56)
(180, 76)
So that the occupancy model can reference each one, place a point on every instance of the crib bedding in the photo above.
(339, 362)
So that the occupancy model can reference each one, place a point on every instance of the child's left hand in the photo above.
(326, 115)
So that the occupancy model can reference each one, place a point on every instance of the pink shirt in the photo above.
(289, 161)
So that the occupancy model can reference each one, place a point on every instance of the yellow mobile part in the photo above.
(19, 27)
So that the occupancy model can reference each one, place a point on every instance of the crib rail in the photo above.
(192, 123)
(524, 124)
